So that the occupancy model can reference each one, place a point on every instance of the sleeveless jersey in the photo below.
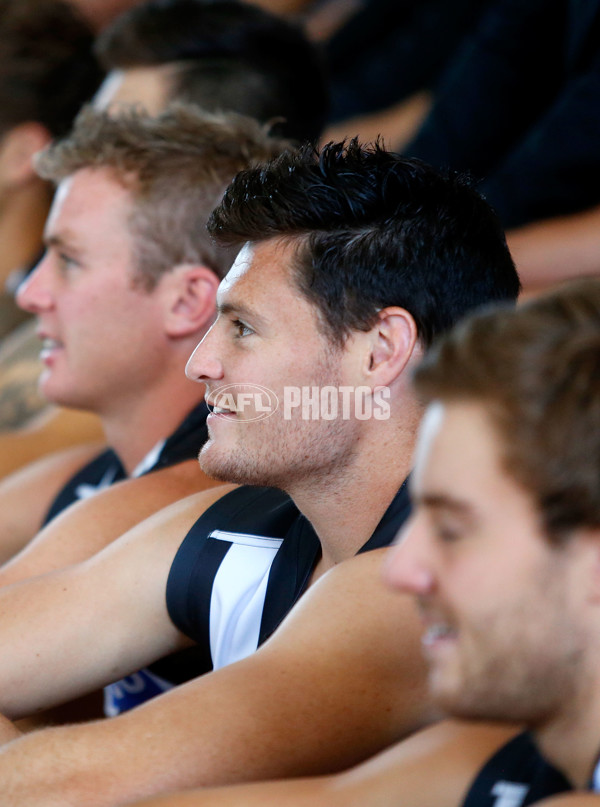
(515, 776)
(238, 572)
(106, 469)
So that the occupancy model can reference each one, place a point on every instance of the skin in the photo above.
(552, 251)
(148, 87)
(328, 650)
(397, 124)
(34, 487)
(454, 750)
(473, 548)
(519, 613)
(255, 341)
(24, 203)
(129, 375)
(325, 655)
(100, 12)
(53, 430)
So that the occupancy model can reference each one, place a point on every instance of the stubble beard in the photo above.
(522, 678)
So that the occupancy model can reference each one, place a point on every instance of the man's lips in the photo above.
(437, 628)
(49, 347)
(437, 632)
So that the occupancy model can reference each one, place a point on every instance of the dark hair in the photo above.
(47, 67)
(374, 229)
(231, 55)
(536, 369)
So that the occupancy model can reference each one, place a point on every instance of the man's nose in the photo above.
(407, 567)
(34, 294)
(204, 364)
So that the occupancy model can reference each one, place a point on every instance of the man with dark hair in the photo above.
(502, 555)
(345, 230)
(227, 54)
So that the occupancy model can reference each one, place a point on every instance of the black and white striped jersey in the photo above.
(236, 575)
(515, 776)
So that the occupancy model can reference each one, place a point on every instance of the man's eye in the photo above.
(447, 534)
(66, 261)
(241, 328)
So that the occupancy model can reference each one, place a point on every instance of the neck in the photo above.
(346, 505)
(133, 430)
(571, 739)
(22, 217)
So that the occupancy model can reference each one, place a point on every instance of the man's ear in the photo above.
(190, 296)
(392, 343)
(590, 539)
(18, 148)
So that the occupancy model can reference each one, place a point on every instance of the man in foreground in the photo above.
(502, 553)
(354, 260)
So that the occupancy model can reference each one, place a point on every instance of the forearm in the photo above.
(453, 751)
(558, 249)
(316, 792)
(8, 731)
(397, 124)
(87, 764)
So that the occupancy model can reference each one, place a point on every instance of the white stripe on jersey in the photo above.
(238, 595)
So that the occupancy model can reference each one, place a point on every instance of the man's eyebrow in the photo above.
(240, 310)
(59, 240)
(442, 500)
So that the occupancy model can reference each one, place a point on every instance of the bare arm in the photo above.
(341, 679)
(53, 430)
(67, 633)
(558, 249)
(26, 495)
(88, 526)
(397, 124)
(7, 731)
(432, 767)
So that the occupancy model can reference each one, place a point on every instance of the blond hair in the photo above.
(176, 166)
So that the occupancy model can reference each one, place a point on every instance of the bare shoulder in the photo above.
(351, 630)
(52, 430)
(353, 594)
(434, 766)
(54, 469)
(26, 494)
(89, 526)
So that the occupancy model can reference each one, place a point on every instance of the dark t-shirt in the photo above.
(518, 108)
